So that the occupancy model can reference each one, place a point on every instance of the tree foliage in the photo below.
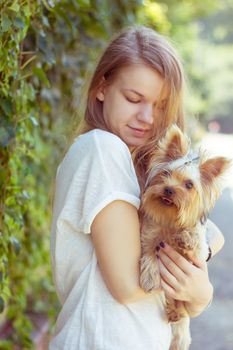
(46, 48)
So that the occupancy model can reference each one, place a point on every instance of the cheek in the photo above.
(114, 107)
(110, 111)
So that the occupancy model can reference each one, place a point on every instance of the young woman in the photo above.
(135, 94)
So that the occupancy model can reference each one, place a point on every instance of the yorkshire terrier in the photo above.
(180, 190)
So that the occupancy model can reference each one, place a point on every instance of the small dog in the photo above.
(180, 190)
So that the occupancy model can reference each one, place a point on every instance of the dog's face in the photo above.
(181, 187)
(175, 196)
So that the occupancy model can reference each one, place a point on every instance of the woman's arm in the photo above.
(115, 234)
(116, 237)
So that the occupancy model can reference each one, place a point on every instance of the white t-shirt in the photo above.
(96, 170)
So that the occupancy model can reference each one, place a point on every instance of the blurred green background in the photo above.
(48, 50)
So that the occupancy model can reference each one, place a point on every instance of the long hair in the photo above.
(138, 45)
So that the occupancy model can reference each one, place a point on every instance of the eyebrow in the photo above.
(136, 92)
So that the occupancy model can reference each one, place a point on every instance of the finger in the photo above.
(197, 262)
(167, 276)
(172, 293)
(172, 267)
(168, 290)
(177, 258)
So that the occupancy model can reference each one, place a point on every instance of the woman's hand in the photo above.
(184, 280)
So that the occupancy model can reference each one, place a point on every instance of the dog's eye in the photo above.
(189, 185)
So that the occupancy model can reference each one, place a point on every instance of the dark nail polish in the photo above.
(157, 248)
(157, 256)
(162, 244)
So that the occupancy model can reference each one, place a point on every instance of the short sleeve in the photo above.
(103, 172)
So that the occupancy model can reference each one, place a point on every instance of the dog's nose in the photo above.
(169, 191)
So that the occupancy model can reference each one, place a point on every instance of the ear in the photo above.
(101, 90)
(212, 169)
(175, 143)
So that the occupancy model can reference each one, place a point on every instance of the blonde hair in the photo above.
(138, 45)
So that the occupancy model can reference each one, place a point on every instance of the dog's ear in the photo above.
(212, 173)
(174, 144)
(212, 170)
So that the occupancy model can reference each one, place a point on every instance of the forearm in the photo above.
(194, 309)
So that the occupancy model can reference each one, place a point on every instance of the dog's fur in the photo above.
(180, 190)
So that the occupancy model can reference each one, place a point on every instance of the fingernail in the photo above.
(162, 244)
(157, 248)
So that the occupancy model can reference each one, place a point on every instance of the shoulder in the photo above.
(103, 138)
(101, 142)
(99, 150)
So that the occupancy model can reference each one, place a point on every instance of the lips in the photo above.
(139, 129)
(137, 132)
(167, 201)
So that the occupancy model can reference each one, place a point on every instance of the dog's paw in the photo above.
(173, 316)
(149, 276)
(149, 283)
(186, 240)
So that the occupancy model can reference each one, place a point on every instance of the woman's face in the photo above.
(130, 106)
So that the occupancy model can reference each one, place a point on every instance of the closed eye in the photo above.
(132, 100)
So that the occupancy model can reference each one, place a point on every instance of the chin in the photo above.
(162, 212)
(136, 142)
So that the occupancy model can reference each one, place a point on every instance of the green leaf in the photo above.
(6, 135)
(18, 22)
(15, 6)
(26, 10)
(6, 106)
(66, 18)
(6, 23)
(41, 75)
(83, 3)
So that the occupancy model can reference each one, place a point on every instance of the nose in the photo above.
(146, 115)
(169, 191)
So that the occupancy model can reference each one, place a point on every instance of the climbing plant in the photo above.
(46, 51)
